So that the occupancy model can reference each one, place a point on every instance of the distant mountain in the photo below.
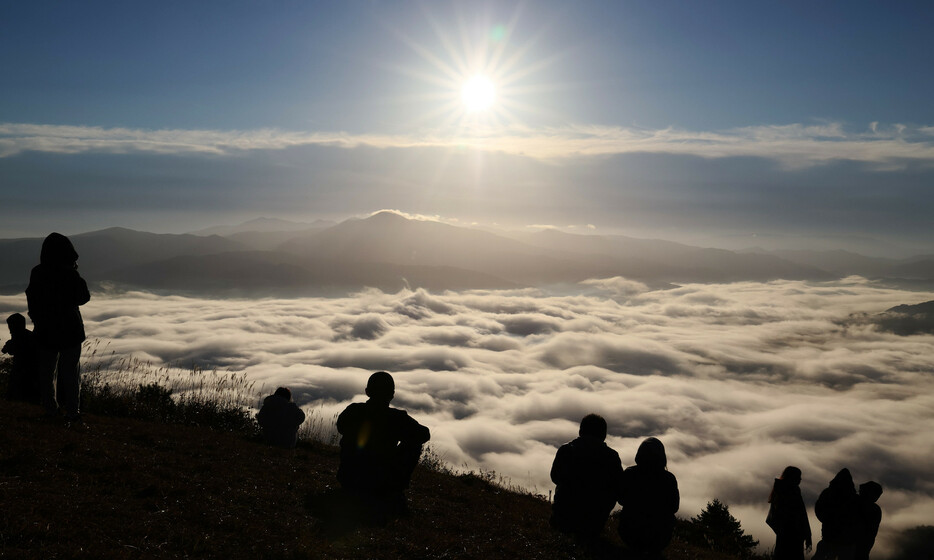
(389, 251)
(839, 262)
(268, 273)
(907, 319)
(264, 225)
(104, 251)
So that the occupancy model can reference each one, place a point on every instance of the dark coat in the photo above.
(587, 476)
(837, 508)
(377, 446)
(54, 293)
(789, 519)
(870, 517)
(280, 418)
(650, 499)
(787, 514)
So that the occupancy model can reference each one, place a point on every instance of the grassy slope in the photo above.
(127, 488)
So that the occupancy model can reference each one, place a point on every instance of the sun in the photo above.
(478, 94)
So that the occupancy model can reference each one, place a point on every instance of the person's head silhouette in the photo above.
(58, 251)
(593, 426)
(284, 393)
(792, 475)
(16, 322)
(381, 388)
(651, 454)
(870, 490)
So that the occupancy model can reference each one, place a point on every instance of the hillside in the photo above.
(128, 488)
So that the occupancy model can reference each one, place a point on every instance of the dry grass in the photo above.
(123, 487)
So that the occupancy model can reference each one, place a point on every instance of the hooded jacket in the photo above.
(54, 293)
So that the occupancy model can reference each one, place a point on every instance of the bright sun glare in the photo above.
(478, 94)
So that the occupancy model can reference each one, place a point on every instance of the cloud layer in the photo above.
(793, 145)
(737, 380)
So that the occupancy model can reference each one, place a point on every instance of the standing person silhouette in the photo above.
(870, 517)
(380, 446)
(788, 517)
(587, 476)
(55, 292)
(650, 499)
(837, 508)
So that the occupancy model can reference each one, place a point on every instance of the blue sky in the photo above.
(709, 122)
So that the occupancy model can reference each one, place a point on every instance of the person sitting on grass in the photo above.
(24, 375)
(380, 445)
(650, 499)
(280, 418)
(587, 476)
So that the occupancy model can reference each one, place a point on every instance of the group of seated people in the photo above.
(380, 447)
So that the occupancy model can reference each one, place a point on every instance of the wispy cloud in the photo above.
(793, 145)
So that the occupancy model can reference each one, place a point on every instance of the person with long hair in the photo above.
(55, 292)
(788, 516)
(650, 499)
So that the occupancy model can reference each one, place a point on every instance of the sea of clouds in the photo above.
(738, 380)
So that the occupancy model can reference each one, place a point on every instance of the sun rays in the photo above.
(476, 78)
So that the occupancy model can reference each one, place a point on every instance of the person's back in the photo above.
(23, 346)
(280, 419)
(788, 516)
(587, 476)
(380, 446)
(650, 499)
(837, 508)
(55, 292)
(870, 515)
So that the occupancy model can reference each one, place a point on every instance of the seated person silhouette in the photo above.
(870, 515)
(280, 418)
(380, 446)
(23, 346)
(650, 499)
(587, 476)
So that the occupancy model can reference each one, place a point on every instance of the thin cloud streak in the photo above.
(792, 146)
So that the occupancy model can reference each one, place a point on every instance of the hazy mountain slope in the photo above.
(102, 251)
(652, 257)
(263, 225)
(278, 273)
(388, 251)
(844, 263)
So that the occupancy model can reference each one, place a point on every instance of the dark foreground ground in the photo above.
(127, 488)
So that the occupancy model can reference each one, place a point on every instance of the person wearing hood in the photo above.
(870, 517)
(587, 476)
(788, 517)
(837, 508)
(650, 499)
(55, 292)
(280, 419)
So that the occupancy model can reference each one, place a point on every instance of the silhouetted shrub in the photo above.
(916, 543)
(715, 528)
